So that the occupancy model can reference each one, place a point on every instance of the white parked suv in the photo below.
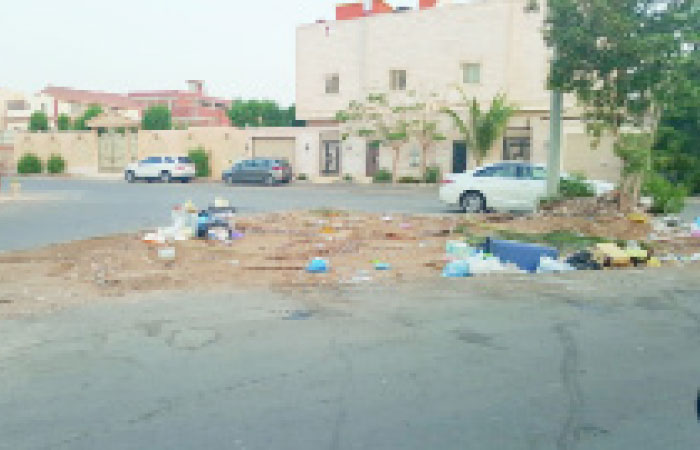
(163, 168)
(508, 186)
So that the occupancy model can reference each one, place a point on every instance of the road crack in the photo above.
(569, 436)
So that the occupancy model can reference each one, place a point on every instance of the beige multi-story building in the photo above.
(482, 47)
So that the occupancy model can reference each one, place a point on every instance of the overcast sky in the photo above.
(240, 48)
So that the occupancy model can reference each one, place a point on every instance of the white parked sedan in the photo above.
(163, 168)
(507, 186)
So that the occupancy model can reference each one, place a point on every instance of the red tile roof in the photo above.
(92, 97)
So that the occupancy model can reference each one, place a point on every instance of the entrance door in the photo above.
(459, 157)
(330, 158)
(372, 158)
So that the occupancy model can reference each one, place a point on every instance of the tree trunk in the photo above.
(395, 165)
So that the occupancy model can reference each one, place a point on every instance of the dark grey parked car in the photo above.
(268, 171)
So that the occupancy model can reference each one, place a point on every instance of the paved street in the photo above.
(583, 361)
(79, 209)
(85, 208)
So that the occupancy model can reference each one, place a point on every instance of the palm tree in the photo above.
(480, 128)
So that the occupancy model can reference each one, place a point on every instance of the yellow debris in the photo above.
(608, 254)
(638, 218)
(654, 262)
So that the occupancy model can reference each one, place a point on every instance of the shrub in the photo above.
(347, 177)
(668, 198)
(200, 158)
(55, 164)
(432, 175)
(409, 180)
(575, 186)
(29, 163)
(382, 176)
(302, 177)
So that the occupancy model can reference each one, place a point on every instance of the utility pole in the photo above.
(555, 122)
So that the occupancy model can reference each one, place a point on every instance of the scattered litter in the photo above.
(456, 269)
(166, 253)
(317, 265)
(525, 256)
(550, 265)
(611, 255)
(583, 260)
(381, 266)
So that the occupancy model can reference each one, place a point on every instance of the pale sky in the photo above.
(240, 48)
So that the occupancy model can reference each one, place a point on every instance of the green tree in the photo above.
(677, 146)
(481, 129)
(63, 122)
(80, 124)
(38, 121)
(261, 113)
(157, 117)
(622, 60)
(380, 121)
(424, 125)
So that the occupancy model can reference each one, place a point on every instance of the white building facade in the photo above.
(482, 47)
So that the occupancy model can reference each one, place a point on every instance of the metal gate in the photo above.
(113, 151)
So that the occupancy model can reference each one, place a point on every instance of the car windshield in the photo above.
(184, 160)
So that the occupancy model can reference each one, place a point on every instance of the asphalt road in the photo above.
(79, 209)
(583, 361)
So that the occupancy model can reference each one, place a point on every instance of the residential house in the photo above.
(482, 47)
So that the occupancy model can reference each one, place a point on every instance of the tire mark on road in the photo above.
(569, 435)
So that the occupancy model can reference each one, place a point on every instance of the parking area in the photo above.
(78, 209)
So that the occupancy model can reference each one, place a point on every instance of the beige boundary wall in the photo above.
(78, 148)
(226, 145)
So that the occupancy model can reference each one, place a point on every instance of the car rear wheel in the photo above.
(130, 178)
(165, 177)
(269, 181)
(472, 202)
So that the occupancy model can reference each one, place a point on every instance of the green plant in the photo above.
(55, 164)
(302, 177)
(80, 124)
(382, 176)
(157, 117)
(29, 163)
(432, 175)
(409, 180)
(481, 129)
(668, 198)
(348, 177)
(200, 158)
(38, 121)
(575, 186)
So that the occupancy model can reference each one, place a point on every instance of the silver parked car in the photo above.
(268, 171)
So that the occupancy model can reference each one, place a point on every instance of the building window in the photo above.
(471, 73)
(397, 80)
(516, 149)
(17, 105)
(333, 84)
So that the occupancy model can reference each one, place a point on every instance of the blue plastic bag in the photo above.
(317, 265)
(456, 269)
